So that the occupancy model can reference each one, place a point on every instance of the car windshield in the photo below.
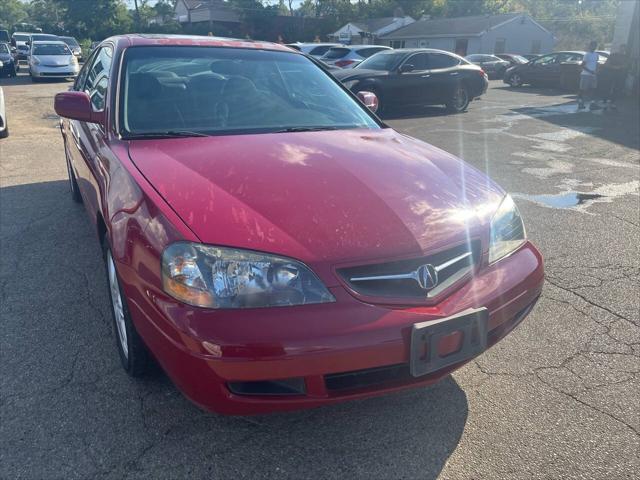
(51, 49)
(519, 59)
(70, 41)
(385, 60)
(4, 48)
(21, 38)
(213, 90)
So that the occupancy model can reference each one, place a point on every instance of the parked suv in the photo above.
(349, 57)
(316, 50)
(20, 41)
(492, 65)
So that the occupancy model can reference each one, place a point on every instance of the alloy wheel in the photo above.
(516, 81)
(116, 304)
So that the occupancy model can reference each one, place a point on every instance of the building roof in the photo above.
(468, 26)
(372, 25)
(219, 10)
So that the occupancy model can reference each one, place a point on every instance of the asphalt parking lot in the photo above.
(558, 398)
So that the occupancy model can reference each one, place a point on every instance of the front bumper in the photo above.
(42, 71)
(340, 351)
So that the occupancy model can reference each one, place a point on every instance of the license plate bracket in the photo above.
(471, 323)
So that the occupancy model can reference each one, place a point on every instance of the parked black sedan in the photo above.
(512, 58)
(8, 62)
(558, 69)
(406, 77)
(491, 64)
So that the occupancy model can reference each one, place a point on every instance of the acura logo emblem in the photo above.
(427, 276)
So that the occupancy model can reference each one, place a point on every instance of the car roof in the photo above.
(24, 33)
(314, 44)
(49, 42)
(136, 39)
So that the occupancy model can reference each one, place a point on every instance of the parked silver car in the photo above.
(73, 45)
(51, 59)
(4, 129)
(315, 50)
(350, 56)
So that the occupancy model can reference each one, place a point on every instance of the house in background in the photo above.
(367, 32)
(209, 11)
(508, 33)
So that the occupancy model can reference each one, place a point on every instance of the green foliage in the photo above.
(12, 12)
(574, 22)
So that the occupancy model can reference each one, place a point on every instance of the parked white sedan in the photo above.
(52, 59)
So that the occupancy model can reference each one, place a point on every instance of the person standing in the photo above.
(588, 78)
(613, 76)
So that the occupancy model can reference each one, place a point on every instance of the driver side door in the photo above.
(541, 70)
(410, 81)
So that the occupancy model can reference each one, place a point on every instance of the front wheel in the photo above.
(134, 356)
(73, 184)
(515, 80)
(459, 100)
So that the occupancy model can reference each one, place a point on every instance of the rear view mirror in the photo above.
(76, 106)
(369, 99)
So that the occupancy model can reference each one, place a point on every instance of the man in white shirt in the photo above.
(588, 79)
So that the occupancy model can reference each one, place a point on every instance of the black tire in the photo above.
(34, 79)
(515, 80)
(137, 360)
(459, 100)
(4, 133)
(73, 183)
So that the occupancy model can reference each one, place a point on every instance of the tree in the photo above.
(12, 12)
(96, 19)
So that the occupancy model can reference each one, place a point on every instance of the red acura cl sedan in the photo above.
(273, 244)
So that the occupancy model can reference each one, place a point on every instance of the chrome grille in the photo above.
(414, 278)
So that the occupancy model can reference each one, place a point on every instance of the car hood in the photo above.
(346, 74)
(5, 57)
(329, 196)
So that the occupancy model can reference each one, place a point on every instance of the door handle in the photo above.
(425, 76)
(453, 73)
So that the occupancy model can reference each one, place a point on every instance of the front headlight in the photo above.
(220, 277)
(507, 230)
(73, 60)
(35, 60)
(1, 64)
(350, 84)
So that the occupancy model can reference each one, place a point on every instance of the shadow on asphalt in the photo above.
(23, 78)
(619, 126)
(542, 91)
(70, 396)
(415, 112)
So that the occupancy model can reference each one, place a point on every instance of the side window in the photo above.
(441, 60)
(367, 52)
(419, 61)
(98, 78)
(545, 60)
(82, 76)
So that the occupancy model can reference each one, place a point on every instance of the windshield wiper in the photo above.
(166, 134)
(306, 129)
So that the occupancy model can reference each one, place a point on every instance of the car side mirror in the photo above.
(13, 50)
(76, 106)
(407, 67)
(369, 99)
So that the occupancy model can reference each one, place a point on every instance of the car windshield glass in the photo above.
(519, 59)
(51, 49)
(3, 48)
(70, 41)
(21, 38)
(385, 60)
(215, 90)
